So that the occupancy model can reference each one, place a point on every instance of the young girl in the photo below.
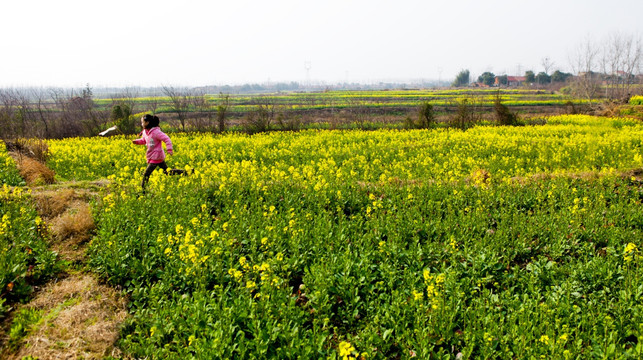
(152, 137)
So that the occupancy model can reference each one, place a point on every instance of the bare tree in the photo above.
(222, 109)
(41, 108)
(468, 112)
(262, 117)
(78, 113)
(203, 116)
(584, 63)
(547, 64)
(7, 111)
(24, 114)
(620, 62)
(127, 97)
(153, 104)
(180, 102)
(611, 66)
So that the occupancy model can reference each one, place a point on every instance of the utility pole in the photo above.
(307, 66)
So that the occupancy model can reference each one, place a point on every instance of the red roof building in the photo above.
(511, 80)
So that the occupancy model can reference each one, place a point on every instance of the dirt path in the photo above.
(74, 316)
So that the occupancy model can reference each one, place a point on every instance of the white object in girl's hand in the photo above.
(106, 131)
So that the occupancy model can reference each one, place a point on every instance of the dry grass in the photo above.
(71, 231)
(80, 317)
(77, 222)
(53, 203)
(80, 320)
(33, 148)
(33, 171)
(70, 220)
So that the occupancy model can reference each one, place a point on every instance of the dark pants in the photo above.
(151, 167)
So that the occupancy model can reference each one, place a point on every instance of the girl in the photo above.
(152, 137)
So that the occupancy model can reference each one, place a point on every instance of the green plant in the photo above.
(426, 116)
(496, 242)
(288, 120)
(503, 115)
(222, 109)
(122, 116)
(23, 322)
(466, 114)
(462, 79)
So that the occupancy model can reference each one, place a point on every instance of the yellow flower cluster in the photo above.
(262, 273)
(5, 225)
(434, 286)
(348, 351)
(483, 155)
(187, 248)
(7, 194)
(8, 170)
(630, 252)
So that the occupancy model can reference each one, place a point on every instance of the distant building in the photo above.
(511, 80)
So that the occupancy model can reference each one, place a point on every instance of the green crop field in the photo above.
(494, 242)
(371, 99)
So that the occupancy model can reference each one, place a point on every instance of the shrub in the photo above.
(222, 108)
(425, 117)
(467, 114)
(123, 119)
(34, 148)
(503, 115)
(288, 121)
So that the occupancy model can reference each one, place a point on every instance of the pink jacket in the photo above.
(153, 138)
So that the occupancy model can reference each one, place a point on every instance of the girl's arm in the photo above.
(161, 136)
(140, 141)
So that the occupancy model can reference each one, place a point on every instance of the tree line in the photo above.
(606, 69)
(60, 113)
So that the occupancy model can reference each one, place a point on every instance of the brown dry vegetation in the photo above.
(80, 319)
(33, 171)
(53, 203)
(75, 222)
(70, 220)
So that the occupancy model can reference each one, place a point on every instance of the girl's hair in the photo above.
(152, 120)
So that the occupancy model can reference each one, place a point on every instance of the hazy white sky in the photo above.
(198, 42)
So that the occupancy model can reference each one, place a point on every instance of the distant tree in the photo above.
(620, 60)
(203, 114)
(122, 117)
(222, 108)
(530, 77)
(584, 62)
(126, 97)
(547, 64)
(40, 105)
(559, 76)
(487, 78)
(462, 79)
(503, 80)
(542, 78)
(179, 102)
(503, 115)
(426, 117)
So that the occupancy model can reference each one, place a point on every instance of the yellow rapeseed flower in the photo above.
(630, 250)
(346, 350)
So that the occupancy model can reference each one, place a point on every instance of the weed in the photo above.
(24, 321)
